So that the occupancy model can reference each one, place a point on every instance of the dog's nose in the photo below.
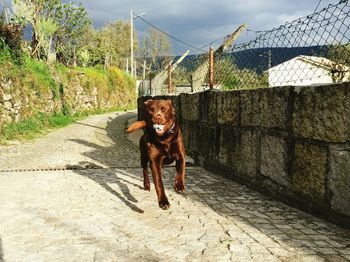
(157, 119)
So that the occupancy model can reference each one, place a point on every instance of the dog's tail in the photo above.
(135, 126)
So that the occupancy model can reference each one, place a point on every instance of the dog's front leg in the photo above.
(158, 183)
(179, 184)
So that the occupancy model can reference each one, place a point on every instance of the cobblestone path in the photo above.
(76, 195)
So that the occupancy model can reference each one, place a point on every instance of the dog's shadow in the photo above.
(108, 160)
(107, 178)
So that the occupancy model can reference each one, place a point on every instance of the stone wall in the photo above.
(20, 100)
(291, 143)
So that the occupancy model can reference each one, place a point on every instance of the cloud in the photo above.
(201, 21)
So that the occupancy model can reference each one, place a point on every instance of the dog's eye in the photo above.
(163, 109)
(152, 109)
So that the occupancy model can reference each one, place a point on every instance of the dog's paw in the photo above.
(164, 204)
(179, 187)
(147, 186)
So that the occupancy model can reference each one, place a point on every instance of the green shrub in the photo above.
(41, 75)
(11, 35)
(5, 52)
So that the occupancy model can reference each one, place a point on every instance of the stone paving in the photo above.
(98, 211)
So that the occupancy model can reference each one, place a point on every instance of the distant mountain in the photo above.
(259, 59)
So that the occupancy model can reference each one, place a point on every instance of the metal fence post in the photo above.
(211, 68)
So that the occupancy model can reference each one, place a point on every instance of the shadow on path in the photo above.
(107, 154)
(262, 218)
(104, 179)
(1, 252)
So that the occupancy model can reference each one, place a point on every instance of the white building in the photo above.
(308, 70)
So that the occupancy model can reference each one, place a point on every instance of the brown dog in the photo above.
(161, 144)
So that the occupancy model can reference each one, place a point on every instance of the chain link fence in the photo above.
(310, 50)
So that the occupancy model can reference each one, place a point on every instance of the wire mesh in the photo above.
(310, 50)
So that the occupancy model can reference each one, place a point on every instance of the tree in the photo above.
(73, 22)
(83, 57)
(231, 77)
(115, 41)
(340, 55)
(110, 45)
(62, 24)
(47, 28)
(156, 49)
(23, 12)
(11, 40)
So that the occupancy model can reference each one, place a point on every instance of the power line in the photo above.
(212, 42)
(319, 2)
(173, 37)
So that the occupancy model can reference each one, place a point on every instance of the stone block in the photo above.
(211, 102)
(265, 107)
(190, 106)
(6, 97)
(274, 159)
(242, 151)
(339, 179)
(228, 108)
(309, 172)
(228, 138)
(8, 105)
(322, 113)
(207, 141)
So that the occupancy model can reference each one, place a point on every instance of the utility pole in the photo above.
(132, 65)
(131, 43)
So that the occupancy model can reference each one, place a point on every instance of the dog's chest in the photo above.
(169, 151)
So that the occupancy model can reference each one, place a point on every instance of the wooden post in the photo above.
(191, 83)
(211, 68)
(169, 79)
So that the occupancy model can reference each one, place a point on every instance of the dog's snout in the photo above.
(157, 119)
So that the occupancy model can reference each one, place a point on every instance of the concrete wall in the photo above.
(290, 142)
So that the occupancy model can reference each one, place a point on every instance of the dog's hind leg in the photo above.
(144, 163)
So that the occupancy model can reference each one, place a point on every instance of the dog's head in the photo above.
(161, 115)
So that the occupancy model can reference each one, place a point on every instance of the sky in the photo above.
(199, 22)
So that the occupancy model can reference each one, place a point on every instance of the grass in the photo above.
(40, 73)
(41, 124)
(36, 83)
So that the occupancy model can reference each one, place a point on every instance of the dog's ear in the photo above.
(148, 102)
(169, 102)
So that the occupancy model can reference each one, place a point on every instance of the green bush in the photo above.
(5, 52)
(40, 73)
(11, 36)
(34, 84)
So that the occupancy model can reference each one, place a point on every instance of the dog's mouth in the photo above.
(158, 128)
